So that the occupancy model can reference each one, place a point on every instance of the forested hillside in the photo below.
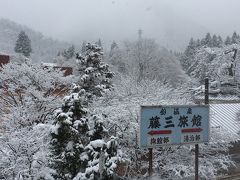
(43, 48)
(216, 59)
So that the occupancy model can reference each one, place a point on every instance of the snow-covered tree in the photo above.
(187, 58)
(81, 146)
(83, 47)
(215, 42)
(221, 66)
(235, 38)
(29, 86)
(99, 43)
(116, 58)
(114, 45)
(228, 41)
(101, 154)
(102, 157)
(145, 60)
(29, 95)
(144, 52)
(208, 40)
(23, 44)
(69, 136)
(69, 53)
(24, 152)
(220, 41)
(94, 75)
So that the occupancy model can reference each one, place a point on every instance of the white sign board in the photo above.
(173, 125)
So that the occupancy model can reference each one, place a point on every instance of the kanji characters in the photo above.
(198, 137)
(196, 120)
(185, 139)
(169, 122)
(183, 121)
(166, 140)
(159, 140)
(163, 111)
(192, 138)
(154, 122)
(153, 140)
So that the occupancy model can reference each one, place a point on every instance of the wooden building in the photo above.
(4, 59)
(67, 71)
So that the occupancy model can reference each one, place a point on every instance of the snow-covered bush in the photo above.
(30, 92)
(29, 95)
(23, 153)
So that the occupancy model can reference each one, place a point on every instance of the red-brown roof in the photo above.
(4, 59)
(67, 70)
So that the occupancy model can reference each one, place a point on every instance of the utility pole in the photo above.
(197, 145)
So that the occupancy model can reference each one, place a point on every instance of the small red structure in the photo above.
(66, 70)
(4, 59)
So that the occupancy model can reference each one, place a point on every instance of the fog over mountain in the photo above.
(44, 48)
(170, 22)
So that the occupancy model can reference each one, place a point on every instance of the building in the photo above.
(4, 59)
(67, 70)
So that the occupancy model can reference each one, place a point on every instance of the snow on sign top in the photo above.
(173, 125)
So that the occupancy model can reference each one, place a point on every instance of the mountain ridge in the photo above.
(44, 48)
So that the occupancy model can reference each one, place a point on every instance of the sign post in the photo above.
(173, 125)
(150, 162)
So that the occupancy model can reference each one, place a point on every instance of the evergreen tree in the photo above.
(100, 156)
(235, 38)
(99, 43)
(202, 41)
(69, 135)
(208, 40)
(69, 53)
(83, 48)
(113, 47)
(95, 76)
(115, 58)
(23, 44)
(228, 41)
(219, 41)
(79, 151)
(198, 43)
(188, 55)
(215, 42)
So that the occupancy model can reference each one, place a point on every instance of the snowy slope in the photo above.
(44, 49)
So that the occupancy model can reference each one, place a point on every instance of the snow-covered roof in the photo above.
(3, 53)
(225, 116)
(218, 99)
(49, 64)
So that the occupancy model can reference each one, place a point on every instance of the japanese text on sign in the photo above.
(167, 125)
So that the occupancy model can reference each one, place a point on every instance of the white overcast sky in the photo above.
(75, 20)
